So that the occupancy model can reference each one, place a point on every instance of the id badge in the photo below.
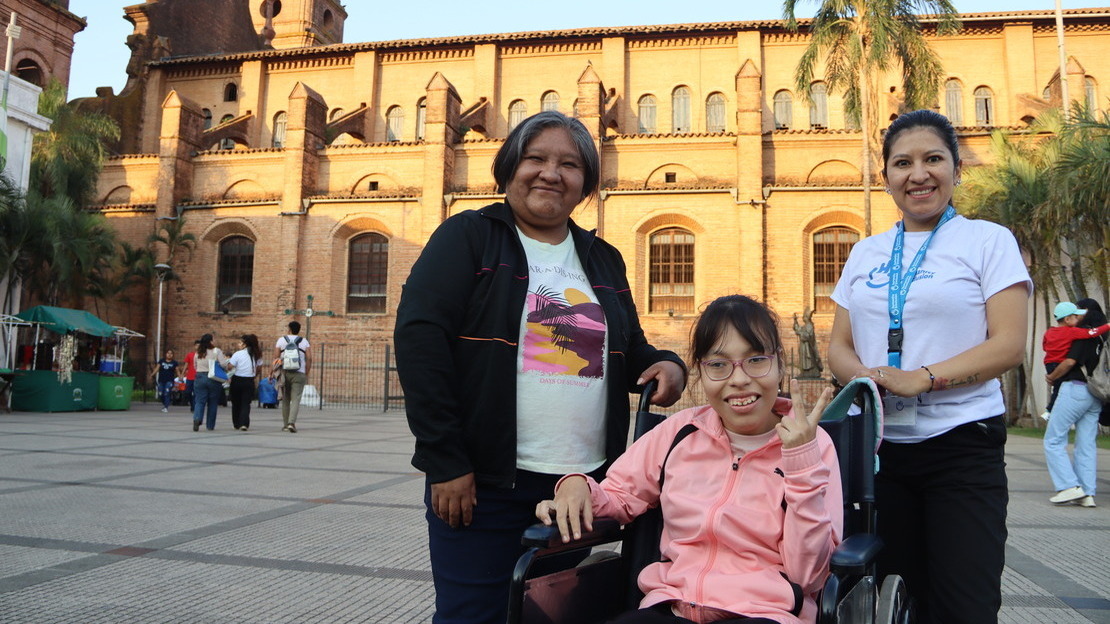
(899, 410)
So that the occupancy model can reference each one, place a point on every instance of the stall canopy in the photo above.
(63, 320)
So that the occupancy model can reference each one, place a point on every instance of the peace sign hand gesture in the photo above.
(795, 431)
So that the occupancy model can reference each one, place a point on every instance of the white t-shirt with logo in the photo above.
(561, 365)
(967, 262)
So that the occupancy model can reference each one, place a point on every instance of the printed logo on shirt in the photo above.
(565, 334)
(879, 277)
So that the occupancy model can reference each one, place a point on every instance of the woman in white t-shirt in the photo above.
(245, 364)
(936, 335)
(207, 391)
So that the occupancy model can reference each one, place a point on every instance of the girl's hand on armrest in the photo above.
(571, 510)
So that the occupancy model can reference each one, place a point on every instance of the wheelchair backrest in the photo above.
(854, 422)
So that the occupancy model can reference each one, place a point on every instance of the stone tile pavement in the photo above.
(133, 517)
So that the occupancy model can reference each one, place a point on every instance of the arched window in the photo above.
(671, 271)
(367, 270)
(281, 121)
(231, 92)
(207, 118)
(335, 113)
(680, 110)
(784, 110)
(830, 251)
(518, 110)
(227, 144)
(818, 105)
(549, 101)
(236, 274)
(421, 117)
(984, 106)
(394, 123)
(954, 102)
(646, 113)
(1090, 93)
(715, 113)
(30, 71)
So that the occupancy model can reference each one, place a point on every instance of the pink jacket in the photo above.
(752, 537)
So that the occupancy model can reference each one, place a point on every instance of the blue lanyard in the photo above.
(900, 285)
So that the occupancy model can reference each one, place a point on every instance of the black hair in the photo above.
(204, 344)
(294, 327)
(508, 157)
(1094, 317)
(755, 322)
(251, 341)
(923, 118)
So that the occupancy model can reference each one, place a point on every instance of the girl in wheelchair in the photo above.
(749, 486)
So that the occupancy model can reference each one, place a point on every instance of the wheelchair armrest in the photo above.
(855, 554)
(547, 537)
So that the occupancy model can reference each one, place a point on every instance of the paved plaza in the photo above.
(132, 517)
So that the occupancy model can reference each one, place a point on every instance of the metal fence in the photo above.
(358, 375)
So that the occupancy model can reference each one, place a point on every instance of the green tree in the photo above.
(66, 160)
(171, 234)
(861, 41)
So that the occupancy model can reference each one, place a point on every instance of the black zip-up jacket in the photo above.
(458, 325)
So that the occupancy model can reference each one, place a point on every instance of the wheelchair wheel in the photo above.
(893, 606)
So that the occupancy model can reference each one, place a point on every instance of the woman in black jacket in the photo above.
(517, 345)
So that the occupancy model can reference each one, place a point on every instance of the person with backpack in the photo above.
(295, 361)
(1058, 339)
(1075, 479)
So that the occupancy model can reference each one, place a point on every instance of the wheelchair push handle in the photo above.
(645, 395)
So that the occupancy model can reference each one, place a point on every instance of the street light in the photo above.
(163, 269)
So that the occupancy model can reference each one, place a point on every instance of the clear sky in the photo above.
(100, 56)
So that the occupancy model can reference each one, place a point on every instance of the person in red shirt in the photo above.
(190, 374)
(1057, 341)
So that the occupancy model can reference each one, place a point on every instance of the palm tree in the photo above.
(171, 234)
(1081, 195)
(66, 160)
(862, 40)
(128, 267)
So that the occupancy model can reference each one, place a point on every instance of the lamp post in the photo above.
(163, 269)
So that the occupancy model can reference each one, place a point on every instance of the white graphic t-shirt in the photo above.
(560, 365)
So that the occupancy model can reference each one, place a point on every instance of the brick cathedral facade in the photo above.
(308, 166)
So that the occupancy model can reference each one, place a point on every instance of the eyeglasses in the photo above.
(755, 367)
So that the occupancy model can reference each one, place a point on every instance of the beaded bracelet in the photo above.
(932, 379)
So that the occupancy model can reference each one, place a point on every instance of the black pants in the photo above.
(942, 517)
(661, 614)
(242, 395)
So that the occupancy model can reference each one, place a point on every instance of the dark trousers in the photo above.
(241, 395)
(942, 517)
(472, 566)
(661, 614)
(190, 389)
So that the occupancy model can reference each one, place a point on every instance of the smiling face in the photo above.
(743, 403)
(546, 186)
(921, 173)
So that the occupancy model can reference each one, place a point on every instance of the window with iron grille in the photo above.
(367, 268)
(830, 252)
(394, 124)
(671, 271)
(518, 110)
(236, 277)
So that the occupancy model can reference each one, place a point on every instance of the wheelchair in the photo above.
(604, 584)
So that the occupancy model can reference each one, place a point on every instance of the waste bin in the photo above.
(115, 392)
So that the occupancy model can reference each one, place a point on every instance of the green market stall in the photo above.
(65, 389)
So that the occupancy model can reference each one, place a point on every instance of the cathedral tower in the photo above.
(299, 23)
